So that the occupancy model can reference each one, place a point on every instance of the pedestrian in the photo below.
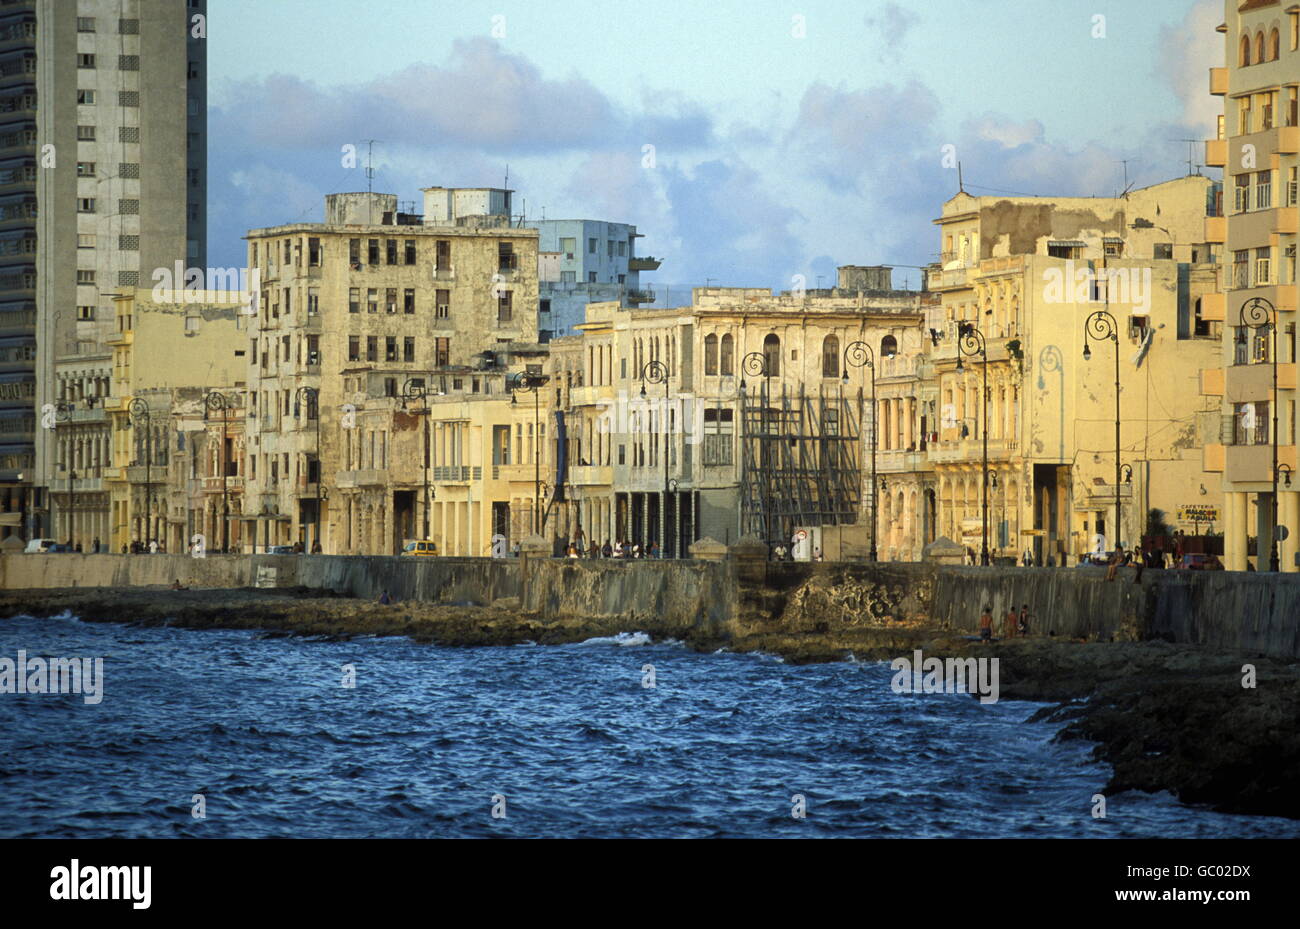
(384, 599)
(654, 549)
(1113, 564)
(153, 546)
(1022, 626)
(315, 547)
(77, 548)
(95, 546)
(607, 550)
(573, 550)
(986, 625)
(1009, 624)
(514, 549)
(1027, 559)
(1140, 562)
(124, 549)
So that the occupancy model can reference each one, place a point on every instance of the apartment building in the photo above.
(1254, 378)
(587, 261)
(361, 319)
(102, 179)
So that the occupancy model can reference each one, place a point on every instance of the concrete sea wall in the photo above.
(1222, 610)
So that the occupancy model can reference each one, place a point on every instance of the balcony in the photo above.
(1251, 383)
(1216, 229)
(1214, 307)
(901, 462)
(1099, 494)
(591, 475)
(969, 451)
(1212, 459)
(366, 477)
(506, 472)
(645, 263)
(1252, 464)
(1212, 382)
(455, 474)
(1218, 82)
(1216, 153)
(637, 297)
(1286, 220)
(1288, 140)
(216, 485)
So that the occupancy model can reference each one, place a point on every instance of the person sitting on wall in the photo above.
(607, 550)
(384, 599)
(315, 548)
(176, 585)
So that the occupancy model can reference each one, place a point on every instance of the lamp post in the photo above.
(677, 535)
(62, 413)
(858, 355)
(139, 412)
(1261, 315)
(516, 382)
(656, 372)
(310, 397)
(970, 341)
(219, 402)
(1101, 325)
(755, 364)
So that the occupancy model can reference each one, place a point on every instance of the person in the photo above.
(636, 549)
(297, 548)
(1009, 624)
(176, 585)
(573, 550)
(153, 546)
(124, 549)
(315, 547)
(618, 549)
(1027, 559)
(970, 555)
(654, 549)
(817, 554)
(1022, 625)
(94, 546)
(986, 625)
(384, 598)
(1140, 563)
(780, 552)
(77, 548)
(1113, 564)
(607, 550)
(514, 549)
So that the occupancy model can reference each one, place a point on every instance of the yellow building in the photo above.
(170, 351)
(1255, 375)
(1020, 279)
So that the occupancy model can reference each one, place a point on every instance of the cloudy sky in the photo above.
(787, 138)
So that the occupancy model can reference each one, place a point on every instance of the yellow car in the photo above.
(420, 548)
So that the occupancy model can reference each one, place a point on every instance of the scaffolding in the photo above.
(799, 461)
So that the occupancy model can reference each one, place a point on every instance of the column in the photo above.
(1234, 531)
(1290, 517)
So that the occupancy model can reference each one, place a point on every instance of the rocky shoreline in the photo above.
(1164, 717)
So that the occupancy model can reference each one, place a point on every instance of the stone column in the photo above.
(1234, 531)
(1290, 517)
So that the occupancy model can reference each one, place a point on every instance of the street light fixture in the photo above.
(219, 402)
(656, 372)
(522, 380)
(970, 341)
(1261, 315)
(1101, 325)
(140, 416)
(310, 398)
(858, 355)
(755, 364)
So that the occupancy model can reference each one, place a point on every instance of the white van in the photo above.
(39, 546)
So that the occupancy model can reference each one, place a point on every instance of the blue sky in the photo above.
(787, 137)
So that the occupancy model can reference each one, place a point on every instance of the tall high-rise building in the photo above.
(103, 179)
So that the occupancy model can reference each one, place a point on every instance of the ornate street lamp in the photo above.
(521, 380)
(219, 402)
(858, 355)
(1101, 325)
(1261, 315)
(656, 372)
(970, 342)
(309, 397)
(140, 417)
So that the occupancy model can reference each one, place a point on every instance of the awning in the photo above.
(1065, 243)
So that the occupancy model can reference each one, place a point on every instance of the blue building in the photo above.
(583, 261)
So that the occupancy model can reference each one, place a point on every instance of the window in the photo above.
(1274, 45)
(354, 348)
(85, 24)
(1241, 269)
(192, 71)
(390, 250)
(390, 348)
(1264, 190)
(442, 301)
(506, 258)
(85, 312)
(505, 307)
(544, 306)
(1295, 30)
(1163, 250)
(85, 240)
(1242, 188)
(830, 356)
(408, 301)
(354, 300)
(1263, 266)
(313, 301)
(568, 277)
(85, 61)
(772, 355)
(591, 246)
(85, 133)
(128, 62)
(85, 204)
(85, 169)
(411, 253)
(1243, 116)
(408, 348)
(390, 299)
(373, 251)
(354, 254)
(442, 261)
(622, 249)
(888, 347)
(86, 97)
(1243, 53)
(313, 253)
(441, 352)
(85, 276)
(372, 300)
(372, 348)
(726, 357)
(591, 277)
(710, 354)
(718, 429)
(128, 26)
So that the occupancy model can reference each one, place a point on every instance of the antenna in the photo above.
(1127, 185)
(370, 179)
(1191, 154)
(961, 186)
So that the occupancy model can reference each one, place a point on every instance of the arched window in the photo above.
(772, 355)
(830, 356)
(1259, 47)
(728, 359)
(1245, 51)
(710, 354)
(1274, 45)
(888, 347)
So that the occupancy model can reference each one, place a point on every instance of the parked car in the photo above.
(420, 548)
(1198, 562)
(280, 550)
(41, 546)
